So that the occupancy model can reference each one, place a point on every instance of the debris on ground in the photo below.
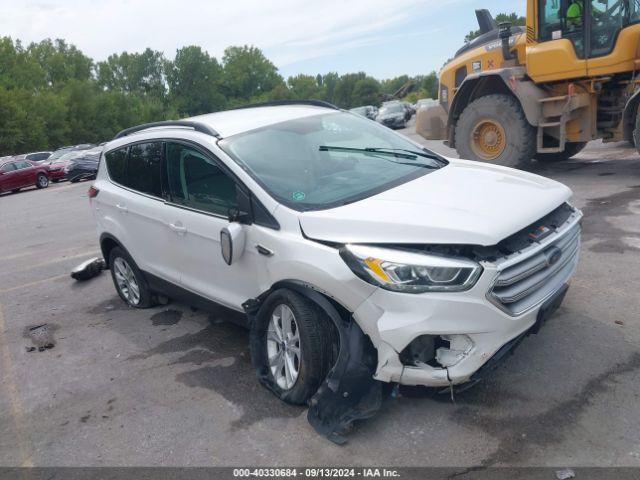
(565, 474)
(619, 322)
(88, 269)
(41, 336)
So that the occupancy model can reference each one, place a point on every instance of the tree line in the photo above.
(52, 94)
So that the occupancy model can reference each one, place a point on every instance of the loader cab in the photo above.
(571, 35)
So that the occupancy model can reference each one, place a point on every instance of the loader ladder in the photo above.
(556, 113)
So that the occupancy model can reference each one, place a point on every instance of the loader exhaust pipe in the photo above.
(505, 36)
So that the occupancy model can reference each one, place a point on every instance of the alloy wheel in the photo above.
(126, 280)
(283, 347)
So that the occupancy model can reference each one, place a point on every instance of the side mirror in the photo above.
(232, 242)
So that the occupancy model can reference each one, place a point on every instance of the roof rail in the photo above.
(278, 103)
(198, 127)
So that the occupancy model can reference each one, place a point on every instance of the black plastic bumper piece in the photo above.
(349, 392)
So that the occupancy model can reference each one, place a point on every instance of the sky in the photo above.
(384, 38)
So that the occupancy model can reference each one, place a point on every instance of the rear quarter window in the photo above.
(116, 162)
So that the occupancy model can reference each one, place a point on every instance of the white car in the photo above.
(359, 256)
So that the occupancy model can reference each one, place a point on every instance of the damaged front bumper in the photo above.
(444, 341)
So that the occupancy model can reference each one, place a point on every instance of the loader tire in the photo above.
(494, 129)
(571, 149)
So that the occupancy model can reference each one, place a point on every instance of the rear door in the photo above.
(8, 179)
(134, 206)
(25, 174)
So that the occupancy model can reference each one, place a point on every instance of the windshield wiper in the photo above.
(402, 153)
(329, 148)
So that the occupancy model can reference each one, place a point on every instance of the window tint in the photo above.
(9, 167)
(197, 182)
(116, 165)
(144, 172)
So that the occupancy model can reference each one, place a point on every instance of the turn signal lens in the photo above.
(93, 192)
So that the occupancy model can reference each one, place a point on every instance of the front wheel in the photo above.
(42, 181)
(296, 346)
(494, 129)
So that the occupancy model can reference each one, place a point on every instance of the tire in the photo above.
(75, 180)
(123, 283)
(494, 129)
(316, 346)
(42, 181)
(571, 149)
(636, 132)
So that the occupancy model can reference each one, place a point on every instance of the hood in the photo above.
(465, 203)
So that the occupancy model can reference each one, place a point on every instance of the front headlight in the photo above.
(410, 271)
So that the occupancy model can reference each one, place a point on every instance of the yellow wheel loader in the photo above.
(541, 91)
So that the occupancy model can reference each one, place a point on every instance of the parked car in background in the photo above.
(368, 111)
(83, 165)
(37, 157)
(64, 150)
(17, 174)
(392, 115)
(409, 110)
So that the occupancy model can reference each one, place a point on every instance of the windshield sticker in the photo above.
(299, 196)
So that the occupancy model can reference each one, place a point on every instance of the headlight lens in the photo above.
(409, 271)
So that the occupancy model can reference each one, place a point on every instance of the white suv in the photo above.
(359, 256)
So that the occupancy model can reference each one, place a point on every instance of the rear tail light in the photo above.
(93, 191)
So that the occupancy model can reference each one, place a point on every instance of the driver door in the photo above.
(201, 195)
(559, 51)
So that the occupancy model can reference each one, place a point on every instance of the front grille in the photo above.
(532, 277)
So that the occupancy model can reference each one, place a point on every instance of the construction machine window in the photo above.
(607, 18)
(560, 19)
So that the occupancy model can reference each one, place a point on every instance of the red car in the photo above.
(17, 174)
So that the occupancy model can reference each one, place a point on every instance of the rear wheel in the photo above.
(42, 181)
(571, 149)
(297, 346)
(494, 129)
(128, 279)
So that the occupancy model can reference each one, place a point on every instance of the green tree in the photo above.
(303, 87)
(248, 74)
(139, 73)
(195, 82)
(60, 62)
(366, 91)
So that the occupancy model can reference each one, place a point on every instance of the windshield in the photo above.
(59, 153)
(391, 109)
(327, 160)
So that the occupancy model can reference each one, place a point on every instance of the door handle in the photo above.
(179, 229)
(122, 208)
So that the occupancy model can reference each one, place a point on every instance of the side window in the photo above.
(22, 164)
(144, 168)
(196, 181)
(9, 167)
(116, 162)
(562, 19)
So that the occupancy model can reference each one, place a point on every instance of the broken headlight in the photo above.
(409, 271)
